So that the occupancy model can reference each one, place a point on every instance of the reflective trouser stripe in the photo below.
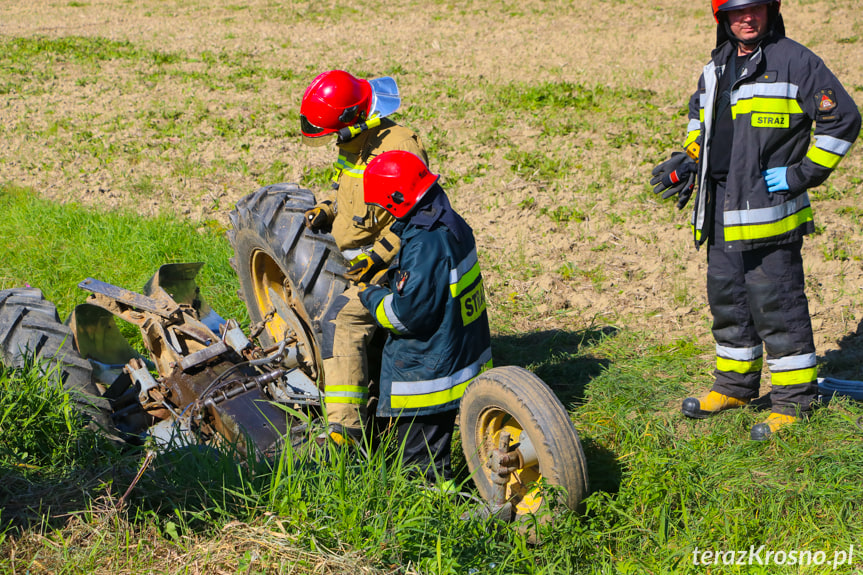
(355, 394)
(794, 377)
(739, 353)
(736, 366)
(792, 362)
(793, 369)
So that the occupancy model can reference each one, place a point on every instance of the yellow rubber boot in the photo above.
(711, 404)
(773, 423)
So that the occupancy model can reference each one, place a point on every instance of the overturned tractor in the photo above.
(204, 379)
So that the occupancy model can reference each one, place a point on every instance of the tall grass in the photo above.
(39, 427)
(54, 247)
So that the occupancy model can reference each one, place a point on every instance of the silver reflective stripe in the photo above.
(739, 353)
(351, 253)
(693, 125)
(831, 144)
(706, 99)
(792, 362)
(766, 215)
(463, 267)
(353, 394)
(391, 314)
(442, 383)
(774, 90)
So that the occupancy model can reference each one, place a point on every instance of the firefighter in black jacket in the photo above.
(433, 307)
(748, 146)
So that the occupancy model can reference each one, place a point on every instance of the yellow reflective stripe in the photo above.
(464, 281)
(353, 394)
(353, 170)
(701, 115)
(760, 231)
(691, 137)
(794, 377)
(383, 319)
(770, 105)
(823, 157)
(735, 366)
(429, 399)
(435, 398)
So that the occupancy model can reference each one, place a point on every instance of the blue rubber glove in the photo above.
(776, 179)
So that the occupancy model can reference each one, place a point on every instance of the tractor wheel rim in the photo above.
(267, 275)
(522, 488)
(267, 278)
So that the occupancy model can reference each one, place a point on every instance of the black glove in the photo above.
(675, 176)
(365, 268)
(320, 217)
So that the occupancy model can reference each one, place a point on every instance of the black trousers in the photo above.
(427, 441)
(758, 296)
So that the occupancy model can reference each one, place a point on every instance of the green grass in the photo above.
(39, 427)
(54, 247)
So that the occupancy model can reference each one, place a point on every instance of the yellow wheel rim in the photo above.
(267, 275)
(522, 488)
(267, 278)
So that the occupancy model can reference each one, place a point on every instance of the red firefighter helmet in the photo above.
(727, 5)
(397, 181)
(333, 100)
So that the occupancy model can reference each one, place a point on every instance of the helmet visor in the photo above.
(385, 97)
(309, 129)
(314, 136)
(318, 141)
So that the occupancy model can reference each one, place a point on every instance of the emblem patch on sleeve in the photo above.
(401, 280)
(825, 101)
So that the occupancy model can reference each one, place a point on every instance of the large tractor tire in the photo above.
(275, 255)
(30, 329)
(514, 400)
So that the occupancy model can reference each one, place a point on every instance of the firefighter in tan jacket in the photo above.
(354, 111)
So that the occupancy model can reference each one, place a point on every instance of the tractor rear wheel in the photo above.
(514, 400)
(30, 329)
(276, 256)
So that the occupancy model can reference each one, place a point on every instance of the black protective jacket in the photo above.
(783, 88)
(435, 311)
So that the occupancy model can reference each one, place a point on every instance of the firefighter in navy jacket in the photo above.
(434, 309)
(748, 146)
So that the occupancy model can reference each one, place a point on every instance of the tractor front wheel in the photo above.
(513, 401)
